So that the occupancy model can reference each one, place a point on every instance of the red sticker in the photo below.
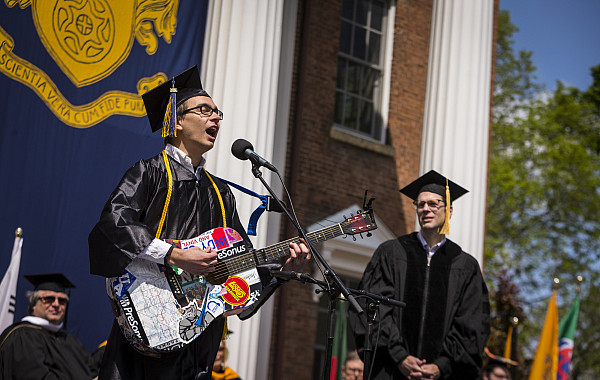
(220, 239)
(237, 291)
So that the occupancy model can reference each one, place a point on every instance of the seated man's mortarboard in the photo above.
(436, 183)
(56, 282)
(162, 101)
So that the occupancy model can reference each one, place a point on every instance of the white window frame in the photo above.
(382, 94)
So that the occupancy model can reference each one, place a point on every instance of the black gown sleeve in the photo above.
(382, 277)
(469, 330)
(119, 236)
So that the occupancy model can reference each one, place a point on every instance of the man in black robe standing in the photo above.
(38, 347)
(136, 210)
(442, 331)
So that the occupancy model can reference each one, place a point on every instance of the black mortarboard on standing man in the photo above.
(56, 282)
(436, 183)
(162, 101)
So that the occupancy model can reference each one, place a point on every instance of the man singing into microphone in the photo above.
(171, 196)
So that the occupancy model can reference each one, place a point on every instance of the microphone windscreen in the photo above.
(239, 147)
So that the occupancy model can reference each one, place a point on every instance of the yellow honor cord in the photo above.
(445, 230)
(169, 192)
(225, 329)
(218, 196)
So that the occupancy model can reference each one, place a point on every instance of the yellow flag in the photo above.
(508, 345)
(545, 363)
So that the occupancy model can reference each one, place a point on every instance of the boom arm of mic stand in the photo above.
(256, 172)
(328, 271)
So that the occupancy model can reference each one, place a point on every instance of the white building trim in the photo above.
(247, 69)
(457, 110)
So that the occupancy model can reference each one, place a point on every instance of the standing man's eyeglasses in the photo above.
(433, 205)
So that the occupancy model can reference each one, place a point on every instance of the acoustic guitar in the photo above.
(161, 308)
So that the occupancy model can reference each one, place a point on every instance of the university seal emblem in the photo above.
(89, 40)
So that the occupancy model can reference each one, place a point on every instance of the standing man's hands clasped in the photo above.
(414, 369)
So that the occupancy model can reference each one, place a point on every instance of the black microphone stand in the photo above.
(329, 272)
(371, 314)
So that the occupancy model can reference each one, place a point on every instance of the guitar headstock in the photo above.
(363, 222)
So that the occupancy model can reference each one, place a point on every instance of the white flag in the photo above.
(8, 287)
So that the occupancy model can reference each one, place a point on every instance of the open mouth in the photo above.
(212, 132)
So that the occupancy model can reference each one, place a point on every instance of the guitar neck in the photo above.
(279, 250)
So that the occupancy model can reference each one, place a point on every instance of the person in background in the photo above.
(220, 371)
(353, 367)
(442, 331)
(38, 347)
(496, 370)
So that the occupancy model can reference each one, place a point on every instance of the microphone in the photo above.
(244, 150)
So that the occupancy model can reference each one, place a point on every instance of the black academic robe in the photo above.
(30, 352)
(452, 324)
(128, 223)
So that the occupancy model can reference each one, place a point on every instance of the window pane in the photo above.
(350, 110)
(362, 8)
(366, 117)
(360, 43)
(353, 77)
(345, 37)
(377, 8)
(374, 48)
(369, 82)
(341, 74)
(348, 9)
(339, 108)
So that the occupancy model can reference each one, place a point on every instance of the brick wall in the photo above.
(326, 174)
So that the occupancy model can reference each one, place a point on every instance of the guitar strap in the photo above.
(259, 210)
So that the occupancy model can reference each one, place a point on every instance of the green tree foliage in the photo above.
(543, 217)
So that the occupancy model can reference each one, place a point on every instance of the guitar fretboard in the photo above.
(274, 252)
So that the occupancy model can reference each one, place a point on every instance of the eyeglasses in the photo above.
(50, 300)
(205, 110)
(433, 205)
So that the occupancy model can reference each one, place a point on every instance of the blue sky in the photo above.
(564, 36)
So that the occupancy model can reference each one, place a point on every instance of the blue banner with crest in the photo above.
(72, 122)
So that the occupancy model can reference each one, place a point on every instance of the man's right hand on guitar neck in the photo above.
(193, 260)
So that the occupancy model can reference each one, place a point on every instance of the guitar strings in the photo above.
(241, 262)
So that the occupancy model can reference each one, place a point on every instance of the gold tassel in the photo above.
(445, 230)
(169, 120)
(225, 330)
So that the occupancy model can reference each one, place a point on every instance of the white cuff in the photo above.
(155, 251)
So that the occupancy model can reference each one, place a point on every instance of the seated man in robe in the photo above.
(38, 347)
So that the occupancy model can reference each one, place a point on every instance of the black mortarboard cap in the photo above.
(433, 182)
(56, 282)
(161, 101)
